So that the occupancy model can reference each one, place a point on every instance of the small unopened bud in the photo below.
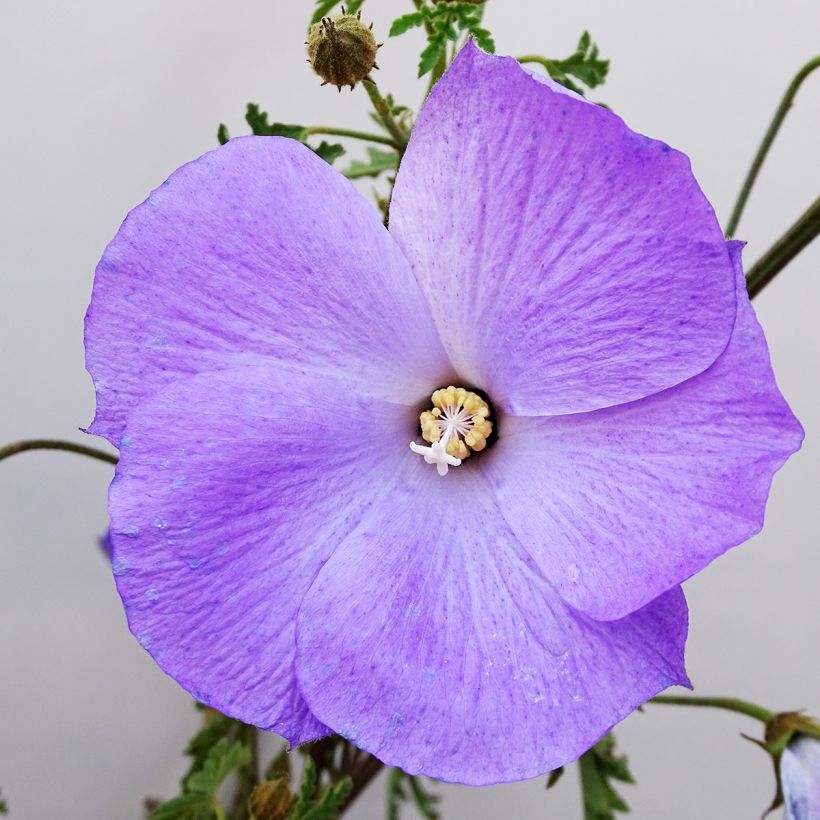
(342, 49)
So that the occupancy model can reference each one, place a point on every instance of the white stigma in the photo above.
(454, 421)
(436, 454)
(457, 426)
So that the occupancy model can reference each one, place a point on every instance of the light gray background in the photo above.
(100, 101)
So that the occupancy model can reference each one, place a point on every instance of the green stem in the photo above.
(743, 707)
(768, 138)
(352, 134)
(535, 58)
(784, 250)
(55, 444)
(384, 114)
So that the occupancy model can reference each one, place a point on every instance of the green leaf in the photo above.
(584, 64)
(330, 802)
(216, 727)
(329, 152)
(194, 806)
(403, 787)
(352, 6)
(406, 22)
(306, 789)
(322, 9)
(258, 121)
(436, 46)
(222, 133)
(483, 38)
(554, 776)
(4, 807)
(223, 759)
(376, 163)
(598, 767)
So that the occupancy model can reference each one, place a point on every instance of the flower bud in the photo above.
(342, 49)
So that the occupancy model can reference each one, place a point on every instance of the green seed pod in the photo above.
(342, 49)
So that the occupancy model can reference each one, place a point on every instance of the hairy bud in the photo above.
(342, 49)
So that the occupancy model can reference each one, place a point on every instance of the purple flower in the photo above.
(800, 778)
(262, 349)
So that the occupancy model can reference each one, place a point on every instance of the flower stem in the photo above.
(535, 58)
(352, 134)
(743, 707)
(385, 115)
(55, 444)
(784, 250)
(362, 775)
(768, 138)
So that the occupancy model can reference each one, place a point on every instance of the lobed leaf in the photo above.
(223, 759)
(407, 21)
(323, 7)
(377, 163)
(403, 787)
(599, 766)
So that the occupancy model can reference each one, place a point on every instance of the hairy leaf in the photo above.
(436, 46)
(599, 766)
(403, 788)
(406, 22)
(483, 38)
(223, 759)
(216, 727)
(584, 64)
(192, 806)
(377, 163)
(329, 152)
(323, 7)
(258, 121)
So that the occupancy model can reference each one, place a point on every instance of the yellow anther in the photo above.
(459, 419)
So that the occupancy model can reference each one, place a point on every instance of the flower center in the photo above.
(457, 426)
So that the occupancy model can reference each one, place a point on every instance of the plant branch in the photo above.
(385, 115)
(362, 775)
(768, 138)
(535, 58)
(352, 134)
(784, 250)
(55, 444)
(743, 707)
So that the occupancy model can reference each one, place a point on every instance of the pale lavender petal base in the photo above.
(569, 262)
(230, 496)
(431, 640)
(800, 778)
(619, 505)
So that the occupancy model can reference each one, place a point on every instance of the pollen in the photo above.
(457, 426)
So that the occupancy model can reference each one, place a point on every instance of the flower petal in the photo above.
(231, 492)
(569, 262)
(430, 640)
(618, 505)
(256, 251)
(800, 777)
